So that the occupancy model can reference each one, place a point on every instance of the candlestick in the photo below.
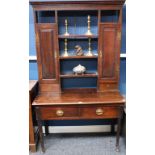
(89, 48)
(65, 50)
(66, 27)
(89, 32)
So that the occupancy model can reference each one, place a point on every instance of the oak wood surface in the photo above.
(78, 75)
(79, 98)
(76, 2)
(78, 103)
(78, 112)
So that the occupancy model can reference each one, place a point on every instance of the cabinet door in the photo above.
(109, 55)
(47, 51)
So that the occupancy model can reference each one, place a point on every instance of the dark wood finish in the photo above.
(38, 115)
(89, 112)
(54, 103)
(33, 136)
(49, 112)
(108, 59)
(47, 54)
(74, 98)
(77, 90)
(78, 5)
(78, 75)
(47, 51)
(107, 50)
(71, 112)
(72, 36)
(119, 129)
(99, 2)
(79, 57)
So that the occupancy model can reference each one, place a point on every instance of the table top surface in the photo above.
(77, 98)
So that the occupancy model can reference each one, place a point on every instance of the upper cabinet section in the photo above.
(76, 4)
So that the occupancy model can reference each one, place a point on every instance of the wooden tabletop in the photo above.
(79, 98)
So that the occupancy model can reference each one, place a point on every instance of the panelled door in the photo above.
(47, 55)
(109, 55)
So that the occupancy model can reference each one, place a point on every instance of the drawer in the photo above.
(59, 112)
(95, 112)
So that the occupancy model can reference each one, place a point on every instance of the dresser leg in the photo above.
(40, 128)
(118, 130)
(46, 128)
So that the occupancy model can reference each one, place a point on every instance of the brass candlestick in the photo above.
(66, 27)
(89, 32)
(89, 48)
(65, 50)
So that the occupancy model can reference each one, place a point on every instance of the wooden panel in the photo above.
(105, 2)
(90, 112)
(78, 112)
(108, 53)
(109, 86)
(77, 7)
(49, 87)
(109, 50)
(47, 53)
(48, 113)
(47, 45)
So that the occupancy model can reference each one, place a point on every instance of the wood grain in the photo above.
(79, 103)
(73, 98)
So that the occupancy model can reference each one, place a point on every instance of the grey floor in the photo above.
(81, 144)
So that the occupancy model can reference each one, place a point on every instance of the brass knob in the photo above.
(99, 111)
(59, 112)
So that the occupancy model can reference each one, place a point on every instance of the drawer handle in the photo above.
(99, 111)
(59, 112)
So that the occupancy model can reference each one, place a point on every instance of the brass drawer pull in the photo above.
(99, 111)
(59, 112)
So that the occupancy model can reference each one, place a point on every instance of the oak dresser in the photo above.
(95, 26)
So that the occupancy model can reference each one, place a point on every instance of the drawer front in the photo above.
(95, 112)
(59, 112)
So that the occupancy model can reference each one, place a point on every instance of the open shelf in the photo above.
(78, 36)
(71, 43)
(45, 16)
(78, 82)
(77, 21)
(79, 57)
(109, 16)
(71, 75)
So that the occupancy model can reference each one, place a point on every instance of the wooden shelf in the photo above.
(79, 57)
(70, 75)
(73, 36)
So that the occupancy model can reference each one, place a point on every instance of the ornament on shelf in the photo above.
(89, 48)
(66, 28)
(65, 50)
(79, 69)
(78, 50)
(89, 32)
